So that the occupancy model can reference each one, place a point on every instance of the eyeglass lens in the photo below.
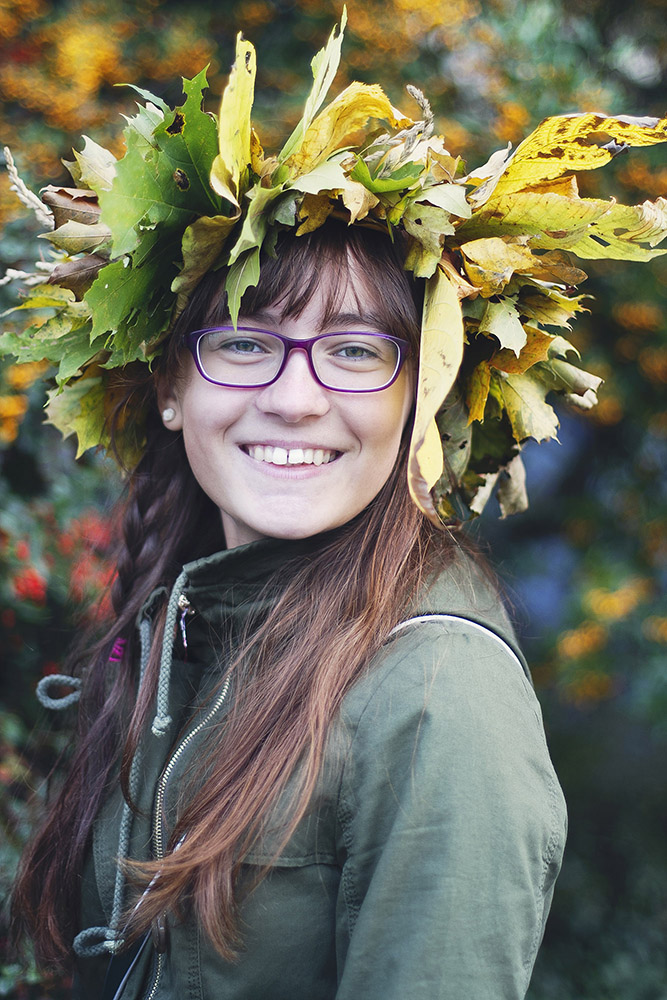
(353, 361)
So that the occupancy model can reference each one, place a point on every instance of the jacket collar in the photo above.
(227, 588)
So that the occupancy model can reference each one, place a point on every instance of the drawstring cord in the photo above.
(66, 680)
(94, 941)
(162, 719)
(58, 680)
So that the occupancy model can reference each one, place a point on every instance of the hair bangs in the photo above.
(362, 258)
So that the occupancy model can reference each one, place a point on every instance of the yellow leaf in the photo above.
(315, 210)
(358, 200)
(490, 263)
(464, 289)
(257, 155)
(532, 213)
(478, 391)
(536, 349)
(334, 125)
(524, 398)
(324, 66)
(575, 142)
(421, 261)
(566, 186)
(234, 132)
(624, 232)
(550, 306)
(79, 409)
(501, 320)
(439, 363)
(589, 227)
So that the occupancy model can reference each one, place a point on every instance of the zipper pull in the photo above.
(160, 933)
(186, 612)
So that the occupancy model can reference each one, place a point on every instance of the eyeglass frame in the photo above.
(191, 341)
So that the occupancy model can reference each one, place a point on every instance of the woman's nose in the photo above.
(296, 394)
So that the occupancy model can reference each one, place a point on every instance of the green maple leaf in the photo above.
(160, 188)
(79, 409)
(163, 178)
(78, 352)
(64, 336)
(133, 300)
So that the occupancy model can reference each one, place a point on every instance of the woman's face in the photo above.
(229, 434)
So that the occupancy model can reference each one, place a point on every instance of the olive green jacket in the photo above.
(425, 867)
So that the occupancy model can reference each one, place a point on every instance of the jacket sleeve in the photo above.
(451, 820)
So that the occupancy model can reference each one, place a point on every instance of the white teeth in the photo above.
(290, 456)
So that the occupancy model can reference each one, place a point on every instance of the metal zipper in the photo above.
(158, 842)
(158, 838)
(158, 973)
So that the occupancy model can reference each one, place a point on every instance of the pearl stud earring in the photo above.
(168, 414)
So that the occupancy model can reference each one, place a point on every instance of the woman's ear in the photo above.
(170, 408)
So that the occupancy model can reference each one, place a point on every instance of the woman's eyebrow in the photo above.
(262, 316)
(353, 319)
(339, 320)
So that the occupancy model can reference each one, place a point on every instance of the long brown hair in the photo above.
(310, 651)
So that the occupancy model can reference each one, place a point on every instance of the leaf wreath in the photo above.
(494, 246)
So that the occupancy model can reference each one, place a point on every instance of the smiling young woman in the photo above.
(320, 454)
(320, 762)
(310, 761)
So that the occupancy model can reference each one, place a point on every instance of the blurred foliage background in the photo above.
(586, 566)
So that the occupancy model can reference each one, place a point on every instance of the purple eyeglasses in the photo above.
(249, 358)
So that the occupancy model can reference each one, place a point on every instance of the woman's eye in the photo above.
(355, 351)
(238, 345)
(243, 346)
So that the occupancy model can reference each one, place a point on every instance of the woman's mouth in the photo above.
(276, 455)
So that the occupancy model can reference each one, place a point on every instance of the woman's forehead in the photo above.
(329, 294)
